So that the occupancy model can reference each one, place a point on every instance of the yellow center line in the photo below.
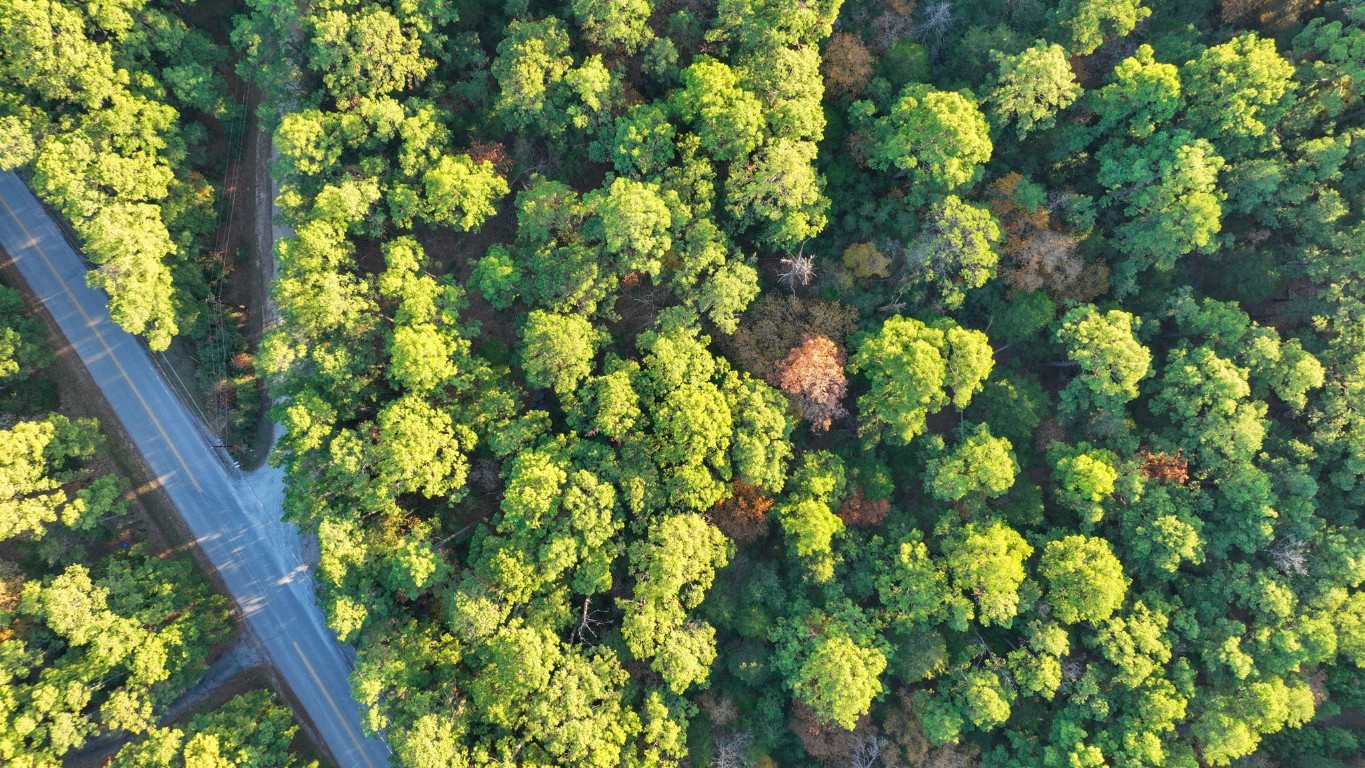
(363, 754)
(33, 243)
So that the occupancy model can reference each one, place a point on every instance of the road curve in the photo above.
(258, 557)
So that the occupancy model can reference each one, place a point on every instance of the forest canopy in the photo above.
(754, 383)
(773, 383)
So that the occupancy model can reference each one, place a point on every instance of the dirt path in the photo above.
(267, 482)
(266, 231)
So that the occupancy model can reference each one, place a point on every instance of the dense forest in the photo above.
(765, 382)
(99, 631)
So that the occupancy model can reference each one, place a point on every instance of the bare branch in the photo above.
(868, 753)
(797, 270)
(732, 750)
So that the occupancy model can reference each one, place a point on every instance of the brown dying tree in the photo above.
(812, 375)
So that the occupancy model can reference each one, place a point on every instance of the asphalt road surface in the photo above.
(258, 557)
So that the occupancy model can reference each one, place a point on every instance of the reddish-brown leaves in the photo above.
(1165, 467)
(744, 516)
(858, 511)
(812, 375)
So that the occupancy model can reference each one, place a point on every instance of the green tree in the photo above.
(308, 143)
(1208, 402)
(728, 119)
(498, 277)
(1032, 87)
(807, 514)
(1037, 666)
(414, 566)
(1088, 23)
(532, 58)
(788, 83)
(423, 356)
(42, 480)
(95, 650)
(131, 245)
(366, 54)
(636, 222)
(1111, 359)
(839, 679)
(1165, 531)
(912, 585)
(939, 138)
(555, 528)
(674, 569)
(1167, 186)
(607, 404)
(1230, 726)
(979, 463)
(538, 84)
(914, 369)
(642, 142)
(461, 193)
(987, 563)
(88, 108)
(985, 701)
(550, 704)
(1083, 477)
(615, 24)
(22, 346)
(1244, 88)
(1085, 580)
(765, 24)
(1141, 95)
(1333, 50)
(17, 147)
(726, 292)
(1136, 643)
(760, 446)
(251, 730)
(557, 350)
(955, 251)
(422, 449)
(561, 272)
(427, 351)
(63, 64)
(1282, 367)
(779, 189)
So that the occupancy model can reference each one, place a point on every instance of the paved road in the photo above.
(258, 557)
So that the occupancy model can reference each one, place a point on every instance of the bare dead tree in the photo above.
(798, 269)
(868, 753)
(888, 29)
(483, 476)
(732, 750)
(720, 709)
(587, 622)
(1056, 198)
(1290, 555)
(903, 269)
(1072, 669)
(938, 19)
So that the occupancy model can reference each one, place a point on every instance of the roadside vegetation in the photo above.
(101, 628)
(121, 117)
